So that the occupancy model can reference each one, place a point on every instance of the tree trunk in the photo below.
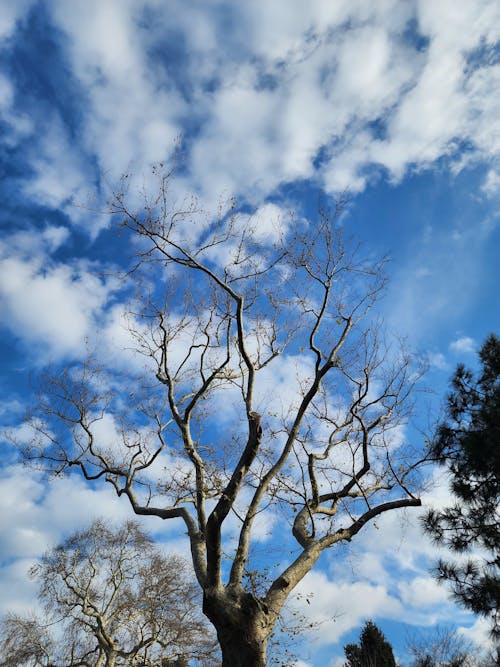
(243, 626)
(240, 653)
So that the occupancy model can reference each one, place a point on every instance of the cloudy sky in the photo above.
(395, 101)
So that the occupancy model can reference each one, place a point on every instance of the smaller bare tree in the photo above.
(111, 599)
(445, 647)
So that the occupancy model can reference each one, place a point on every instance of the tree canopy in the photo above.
(373, 649)
(266, 389)
(111, 599)
(443, 646)
(467, 443)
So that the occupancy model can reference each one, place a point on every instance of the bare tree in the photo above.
(270, 390)
(111, 598)
(444, 647)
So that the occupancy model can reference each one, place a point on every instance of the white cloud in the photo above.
(463, 345)
(279, 385)
(16, 125)
(328, 83)
(438, 360)
(20, 526)
(337, 607)
(60, 173)
(11, 407)
(18, 594)
(448, 102)
(62, 177)
(108, 52)
(422, 592)
(51, 306)
(479, 633)
(33, 243)
(321, 84)
(492, 182)
(270, 223)
(290, 80)
(37, 516)
(338, 662)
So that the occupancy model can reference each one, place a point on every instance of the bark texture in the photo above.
(243, 627)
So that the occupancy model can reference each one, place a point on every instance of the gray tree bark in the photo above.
(243, 625)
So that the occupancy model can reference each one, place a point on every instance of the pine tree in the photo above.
(467, 442)
(373, 649)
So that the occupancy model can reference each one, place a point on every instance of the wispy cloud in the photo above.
(396, 87)
(463, 345)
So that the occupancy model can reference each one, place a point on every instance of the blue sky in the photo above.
(275, 102)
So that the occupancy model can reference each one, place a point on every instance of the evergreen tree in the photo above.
(373, 649)
(467, 442)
